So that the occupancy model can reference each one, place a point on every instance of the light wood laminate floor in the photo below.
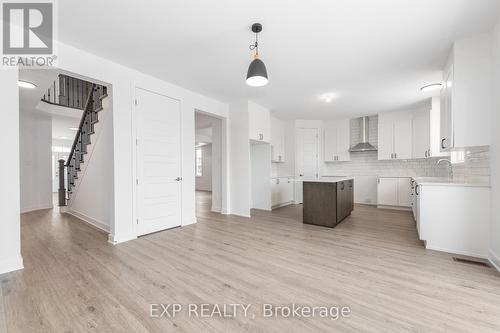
(74, 281)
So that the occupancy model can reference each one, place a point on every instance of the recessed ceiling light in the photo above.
(73, 128)
(26, 84)
(431, 87)
(328, 97)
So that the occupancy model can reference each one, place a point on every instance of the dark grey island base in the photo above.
(327, 201)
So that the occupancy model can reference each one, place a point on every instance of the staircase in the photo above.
(75, 93)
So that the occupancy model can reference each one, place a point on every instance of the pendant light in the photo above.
(257, 73)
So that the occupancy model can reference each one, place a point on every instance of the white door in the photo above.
(158, 162)
(402, 136)
(387, 192)
(307, 157)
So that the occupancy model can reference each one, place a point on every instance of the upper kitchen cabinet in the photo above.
(421, 134)
(259, 123)
(337, 141)
(466, 95)
(395, 135)
(277, 140)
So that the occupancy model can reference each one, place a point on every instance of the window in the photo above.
(199, 163)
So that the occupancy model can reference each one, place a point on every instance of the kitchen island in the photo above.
(328, 200)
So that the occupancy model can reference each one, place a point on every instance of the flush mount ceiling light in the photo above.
(26, 84)
(257, 72)
(431, 87)
(328, 97)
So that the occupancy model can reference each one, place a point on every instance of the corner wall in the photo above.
(35, 148)
(494, 248)
(10, 234)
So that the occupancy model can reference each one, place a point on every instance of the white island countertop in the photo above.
(325, 179)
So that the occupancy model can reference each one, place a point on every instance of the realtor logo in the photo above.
(27, 28)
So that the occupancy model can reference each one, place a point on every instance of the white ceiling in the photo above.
(374, 54)
(62, 118)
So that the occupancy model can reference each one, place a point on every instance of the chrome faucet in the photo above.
(450, 172)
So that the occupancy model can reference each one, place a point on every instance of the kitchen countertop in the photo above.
(441, 181)
(327, 179)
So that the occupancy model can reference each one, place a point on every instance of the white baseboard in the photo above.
(406, 209)
(224, 211)
(282, 205)
(117, 239)
(96, 223)
(216, 209)
(189, 222)
(494, 260)
(36, 207)
(460, 252)
(10, 265)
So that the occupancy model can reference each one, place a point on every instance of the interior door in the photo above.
(307, 157)
(158, 162)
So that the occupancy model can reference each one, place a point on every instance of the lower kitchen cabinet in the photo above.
(453, 218)
(281, 191)
(394, 192)
(345, 199)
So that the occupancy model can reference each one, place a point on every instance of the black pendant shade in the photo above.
(257, 73)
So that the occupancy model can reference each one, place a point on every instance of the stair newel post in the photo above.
(62, 190)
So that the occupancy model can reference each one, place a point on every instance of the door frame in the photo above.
(135, 155)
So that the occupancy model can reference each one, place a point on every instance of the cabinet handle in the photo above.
(442, 143)
(277, 181)
(395, 155)
(416, 189)
(429, 153)
(426, 154)
(392, 155)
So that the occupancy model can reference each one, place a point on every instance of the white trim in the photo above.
(464, 253)
(408, 209)
(11, 264)
(96, 223)
(216, 209)
(117, 239)
(224, 211)
(494, 260)
(284, 204)
(188, 222)
(36, 207)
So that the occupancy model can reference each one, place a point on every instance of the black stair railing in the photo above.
(68, 91)
(91, 106)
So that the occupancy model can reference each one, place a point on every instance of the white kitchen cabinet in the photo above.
(394, 192)
(337, 141)
(277, 140)
(387, 192)
(466, 95)
(421, 134)
(281, 191)
(259, 123)
(404, 192)
(395, 135)
(454, 218)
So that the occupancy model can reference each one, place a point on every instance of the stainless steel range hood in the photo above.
(363, 145)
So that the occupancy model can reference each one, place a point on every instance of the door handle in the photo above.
(178, 179)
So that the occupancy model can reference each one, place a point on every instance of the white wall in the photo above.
(494, 252)
(204, 182)
(260, 161)
(239, 150)
(35, 148)
(124, 81)
(92, 198)
(10, 237)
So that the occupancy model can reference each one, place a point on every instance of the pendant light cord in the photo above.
(256, 45)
